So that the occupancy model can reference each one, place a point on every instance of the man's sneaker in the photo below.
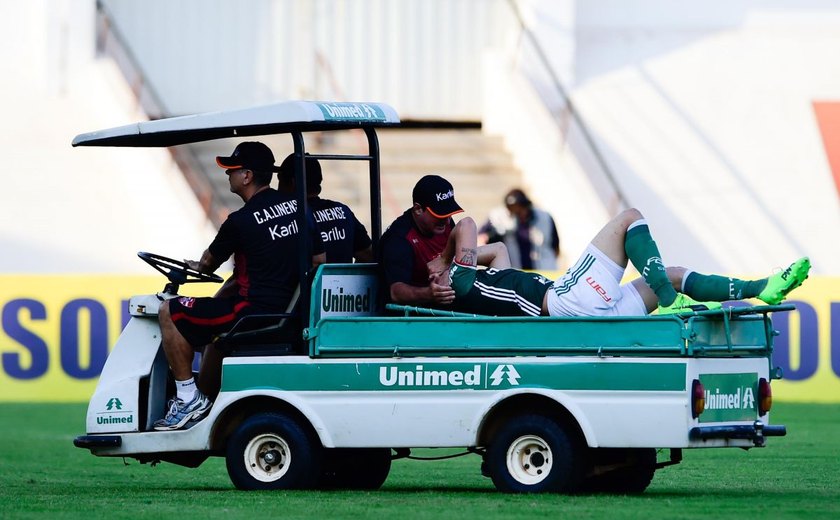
(781, 283)
(683, 304)
(180, 413)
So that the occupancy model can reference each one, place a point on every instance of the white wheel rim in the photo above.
(529, 459)
(267, 457)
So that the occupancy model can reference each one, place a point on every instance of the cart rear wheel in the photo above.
(355, 468)
(533, 454)
(625, 471)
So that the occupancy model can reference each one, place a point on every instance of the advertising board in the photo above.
(56, 332)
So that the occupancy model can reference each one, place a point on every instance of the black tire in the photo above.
(627, 471)
(272, 451)
(355, 468)
(533, 454)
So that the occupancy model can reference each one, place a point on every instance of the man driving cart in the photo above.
(263, 237)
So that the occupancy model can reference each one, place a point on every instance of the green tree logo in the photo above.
(114, 403)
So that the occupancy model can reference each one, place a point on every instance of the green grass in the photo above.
(42, 474)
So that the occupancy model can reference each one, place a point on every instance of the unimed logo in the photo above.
(449, 376)
(348, 295)
(741, 398)
(341, 111)
(418, 376)
(729, 397)
(114, 413)
(350, 302)
(505, 372)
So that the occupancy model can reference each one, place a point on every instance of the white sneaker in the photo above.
(180, 413)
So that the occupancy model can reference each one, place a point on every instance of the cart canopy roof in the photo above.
(276, 118)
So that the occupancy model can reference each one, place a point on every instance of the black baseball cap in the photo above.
(434, 193)
(251, 155)
(314, 177)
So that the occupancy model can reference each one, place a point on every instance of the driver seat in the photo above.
(260, 334)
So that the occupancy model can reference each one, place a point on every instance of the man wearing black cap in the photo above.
(345, 238)
(264, 238)
(415, 238)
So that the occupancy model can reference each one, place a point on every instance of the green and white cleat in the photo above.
(780, 284)
(683, 304)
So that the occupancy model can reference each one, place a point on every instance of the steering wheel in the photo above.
(176, 271)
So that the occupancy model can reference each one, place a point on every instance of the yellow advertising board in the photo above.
(808, 345)
(57, 331)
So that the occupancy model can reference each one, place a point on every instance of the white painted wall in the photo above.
(705, 117)
(554, 176)
(79, 210)
(421, 56)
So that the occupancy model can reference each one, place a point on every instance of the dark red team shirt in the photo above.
(404, 251)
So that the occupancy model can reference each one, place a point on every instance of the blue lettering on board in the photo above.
(36, 346)
(808, 342)
(69, 343)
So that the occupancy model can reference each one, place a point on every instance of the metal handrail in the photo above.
(112, 43)
(572, 109)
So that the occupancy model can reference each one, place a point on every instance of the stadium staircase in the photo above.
(479, 167)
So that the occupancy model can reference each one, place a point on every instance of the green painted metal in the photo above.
(484, 336)
(737, 331)
(730, 397)
(445, 374)
(409, 310)
(400, 336)
(726, 335)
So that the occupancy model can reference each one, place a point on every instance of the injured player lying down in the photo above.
(592, 286)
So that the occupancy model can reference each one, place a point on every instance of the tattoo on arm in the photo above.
(468, 257)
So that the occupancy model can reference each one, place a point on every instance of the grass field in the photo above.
(42, 474)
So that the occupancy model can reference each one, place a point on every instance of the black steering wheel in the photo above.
(176, 271)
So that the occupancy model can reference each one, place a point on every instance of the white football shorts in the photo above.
(592, 287)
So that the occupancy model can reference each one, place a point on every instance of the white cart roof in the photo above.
(287, 116)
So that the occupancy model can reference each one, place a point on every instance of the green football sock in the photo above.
(644, 255)
(712, 287)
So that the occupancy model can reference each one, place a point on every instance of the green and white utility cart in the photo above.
(328, 395)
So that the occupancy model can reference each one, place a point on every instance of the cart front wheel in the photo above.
(272, 451)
